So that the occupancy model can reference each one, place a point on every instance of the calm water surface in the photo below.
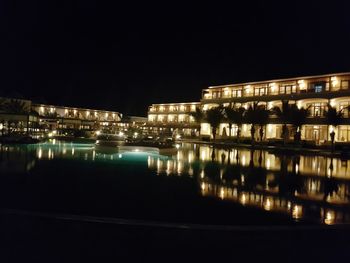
(198, 184)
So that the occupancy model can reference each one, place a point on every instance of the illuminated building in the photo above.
(314, 92)
(173, 118)
(25, 115)
(63, 119)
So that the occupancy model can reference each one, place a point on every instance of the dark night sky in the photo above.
(125, 57)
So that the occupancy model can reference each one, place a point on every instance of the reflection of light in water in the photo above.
(242, 179)
(330, 216)
(190, 157)
(93, 155)
(49, 154)
(72, 151)
(289, 205)
(54, 141)
(203, 186)
(190, 171)
(40, 153)
(158, 163)
(243, 199)
(64, 150)
(120, 156)
(179, 167)
(297, 168)
(221, 173)
(202, 174)
(222, 193)
(297, 211)
(168, 167)
(267, 204)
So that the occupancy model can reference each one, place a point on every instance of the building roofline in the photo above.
(174, 103)
(67, 107)
(278, 80)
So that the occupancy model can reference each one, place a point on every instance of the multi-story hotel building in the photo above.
(39, 118)
(62, 118)
(312, 91)
(173, 118)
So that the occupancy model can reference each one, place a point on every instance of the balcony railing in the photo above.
(259, 93)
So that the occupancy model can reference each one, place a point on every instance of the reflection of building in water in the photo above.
(12, 160)
(302, 186)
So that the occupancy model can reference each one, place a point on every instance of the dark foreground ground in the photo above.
(29, 238)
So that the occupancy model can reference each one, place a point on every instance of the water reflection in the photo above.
(311, 187)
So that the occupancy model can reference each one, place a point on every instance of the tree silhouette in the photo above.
(199, 117)
(214, 116)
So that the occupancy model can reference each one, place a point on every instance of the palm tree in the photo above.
(284, 115)
(229, 116)
(15, 106)
(235, 116)
(256, 115)
(262, 119)
(199, 117)
(334, 118)
(298, 119)
(2, 103)
(214, 116)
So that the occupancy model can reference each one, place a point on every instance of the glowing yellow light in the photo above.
(334, 81)
(40, 153)
(222, 193)
(297, 211)
(243, 199)
(227, 92)
(302, 84)
(98, 132)
(329, 220)
(273, 87)
(243, 160)
(267, 205)
(88, 113)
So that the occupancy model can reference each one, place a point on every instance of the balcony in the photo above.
(276, 95)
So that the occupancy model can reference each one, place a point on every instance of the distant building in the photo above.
(173, 118)
(43, 118)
